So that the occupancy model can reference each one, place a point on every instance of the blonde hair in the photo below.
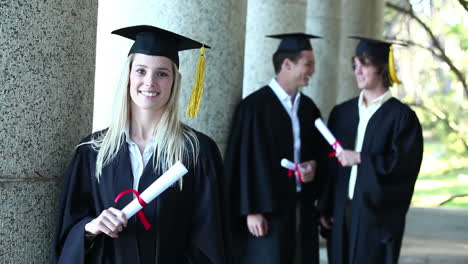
(174, 141)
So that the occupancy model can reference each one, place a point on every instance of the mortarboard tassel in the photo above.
(197, 91)
(391, 67)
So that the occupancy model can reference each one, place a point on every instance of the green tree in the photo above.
(434, 65)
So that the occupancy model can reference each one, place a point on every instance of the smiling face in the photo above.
(367, 75)
(302, 70)
(151, 79)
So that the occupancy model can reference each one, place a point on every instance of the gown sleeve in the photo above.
(74, 212)
(314, 147)
(208, 239)
(247, 165)
(389, 177)
(328, 172)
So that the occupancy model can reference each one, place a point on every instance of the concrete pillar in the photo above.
(220, 24)
(324, 19)
(267, 17)
(46, 93)
(335, 20)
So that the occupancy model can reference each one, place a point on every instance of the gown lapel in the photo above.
(352, 133)
(122, 179)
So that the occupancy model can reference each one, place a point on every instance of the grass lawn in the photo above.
(441, 177)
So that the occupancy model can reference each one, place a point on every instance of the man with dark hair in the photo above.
(274, 213)
(279, 56)
(371, 183)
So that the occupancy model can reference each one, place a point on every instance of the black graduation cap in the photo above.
(379, 49)
(294, 41)
(151, 40)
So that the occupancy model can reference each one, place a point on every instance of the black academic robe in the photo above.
(187, 224)
(391, 156)
(261, 135)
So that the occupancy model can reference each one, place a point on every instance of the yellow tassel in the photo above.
(391, 67)
(197, 91)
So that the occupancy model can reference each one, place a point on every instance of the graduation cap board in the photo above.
(379, 49)
(155, 41)
(294, 42)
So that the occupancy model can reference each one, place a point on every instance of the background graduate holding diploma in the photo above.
(369, 191)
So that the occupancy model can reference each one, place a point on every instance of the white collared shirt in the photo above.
(138, 160)
(291, 108)
(365, 114)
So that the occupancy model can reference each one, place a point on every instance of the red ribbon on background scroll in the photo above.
(140, 213)
(335, 146)
(298, 171)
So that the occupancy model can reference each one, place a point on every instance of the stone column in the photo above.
(324, 19)
(46, 93)
(358, 17)
(267, 17)
(220, 24)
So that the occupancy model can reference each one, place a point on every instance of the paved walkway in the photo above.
(433, 236)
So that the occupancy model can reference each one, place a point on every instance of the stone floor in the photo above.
(433, 236)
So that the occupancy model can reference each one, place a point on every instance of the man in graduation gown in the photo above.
(371, 182)
(273, 213)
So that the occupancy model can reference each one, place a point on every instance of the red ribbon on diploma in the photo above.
(140, 213)
(298, 171)
(335, 146)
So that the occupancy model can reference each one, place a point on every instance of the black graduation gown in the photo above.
(261, 135)
(186, 225)
(391, 156)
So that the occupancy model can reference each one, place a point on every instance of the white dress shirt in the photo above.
(138, 160)
(365, 114)
(291, 108)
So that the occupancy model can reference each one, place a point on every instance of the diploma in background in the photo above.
(323, 129)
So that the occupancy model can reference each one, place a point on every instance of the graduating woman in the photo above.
(144, 139)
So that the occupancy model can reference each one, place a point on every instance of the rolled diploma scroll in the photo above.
(292, 166)
(288, 164)
(173, 174)
(328, 135)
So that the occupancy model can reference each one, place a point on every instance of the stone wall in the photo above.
(46, 92)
